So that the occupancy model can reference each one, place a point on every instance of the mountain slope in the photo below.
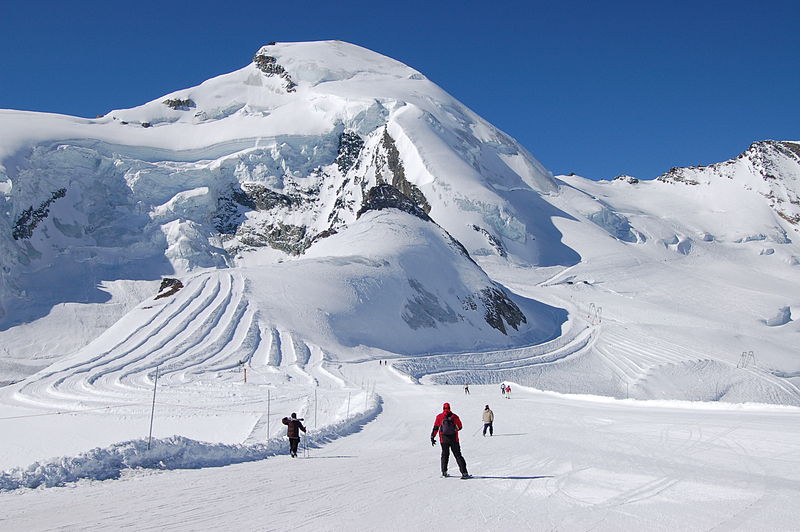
(276, 155)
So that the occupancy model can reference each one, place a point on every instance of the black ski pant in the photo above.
(456, 448)
(490, 427)
(293, 443)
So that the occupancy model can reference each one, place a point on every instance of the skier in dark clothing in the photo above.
(293, 428)
(447, 424)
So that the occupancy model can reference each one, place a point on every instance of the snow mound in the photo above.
(397, 282)
(176, 452)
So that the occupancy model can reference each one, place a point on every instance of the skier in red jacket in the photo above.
(447, 424)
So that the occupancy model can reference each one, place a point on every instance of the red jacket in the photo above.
(438, 423)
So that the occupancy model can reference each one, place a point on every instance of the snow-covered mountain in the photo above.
(369, 213)
(267, 160)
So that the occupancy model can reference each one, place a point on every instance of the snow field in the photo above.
(555, 462)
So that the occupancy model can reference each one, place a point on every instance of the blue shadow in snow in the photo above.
(513, 478)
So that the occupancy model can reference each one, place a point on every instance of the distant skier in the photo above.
(488, 421)
(293, 428)
(466, 389)
(503, 389)
(447, 424)
(508, 392)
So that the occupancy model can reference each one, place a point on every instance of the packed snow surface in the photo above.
(555, 462)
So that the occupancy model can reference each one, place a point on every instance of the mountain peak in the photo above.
(770, 168)
(318, 62)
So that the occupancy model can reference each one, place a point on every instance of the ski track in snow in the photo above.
(202, 341)
(208, 328)
(634, 358)
(495, 366)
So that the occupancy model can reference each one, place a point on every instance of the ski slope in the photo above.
(555, 462)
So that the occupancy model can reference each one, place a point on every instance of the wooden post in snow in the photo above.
(152, 410)
(269, 405)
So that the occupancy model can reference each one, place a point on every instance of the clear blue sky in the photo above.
(598, 88)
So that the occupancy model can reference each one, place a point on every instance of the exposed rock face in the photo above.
(289, 238)
(269, 66)
(180, 105)
(677, 175)
(232, 208)
(169, 287)
(296, 181)
(30, 217)
(399, 180)
(385, 196)
(350, 145)
(499, 308)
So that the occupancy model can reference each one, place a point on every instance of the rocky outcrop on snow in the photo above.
(178, 104)
(269, 66)
(426, 310)
(386, 196)
(289, 238)
(493, 241)
(627, 179)
(169, 287)
(499, 310)
(30, 217)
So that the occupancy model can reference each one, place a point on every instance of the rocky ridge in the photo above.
(770, 168)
